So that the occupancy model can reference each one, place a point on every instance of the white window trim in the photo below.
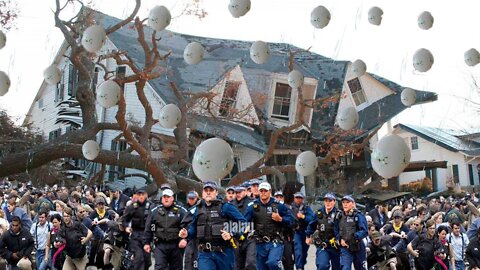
(283, 78)
(350, 94)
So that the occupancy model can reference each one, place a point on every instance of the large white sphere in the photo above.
(306, 163)
(390, 157)
(472, 57)
(93, 38)
(375, 15)
(422, 60)
(348, 118)
(295, 79)
(320, 17)
(52, 74)
(425, 20)
(4, 83)
(170, 116)
(238, 8)
(3, 40)
(213, 160)
(108, 94)
(159, 18)
(359, 68)
(193, 53)
(408, 97)
(259, 52)
(90, 149)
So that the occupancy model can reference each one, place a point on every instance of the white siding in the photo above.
(246, 155)
(374, 91)
(428, 151)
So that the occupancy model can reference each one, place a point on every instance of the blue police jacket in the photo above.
(362, 226)
(287, 215)
(228, 211)
(312, 226)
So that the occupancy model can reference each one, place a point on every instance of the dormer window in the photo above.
(281, 102)
(229, 98)
(358, 94)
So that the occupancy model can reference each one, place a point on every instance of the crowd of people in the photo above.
(249, 227)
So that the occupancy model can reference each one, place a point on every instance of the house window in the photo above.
(470, 174)
(281, 102)
(229, 98)
(115, 170)
(358, 94)
(70, 128)
(414, 142)
(54, 134)
(73, 78)
(40, 103)
(59, 92)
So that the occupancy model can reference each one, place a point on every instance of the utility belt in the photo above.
(332, 243)
(208, 247)
(267, 239)
(166, 241)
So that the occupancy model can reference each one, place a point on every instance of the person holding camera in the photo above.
(423, 247)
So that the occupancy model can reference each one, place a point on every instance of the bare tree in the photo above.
(141, 141)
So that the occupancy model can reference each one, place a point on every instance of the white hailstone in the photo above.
(170, 116)
(348, 118)
(3, 40)
(306, 163)
(90, 149)
(408, 97)
(193, 53)
(320, 17)
(359, 68)
(93, 38)
(295, 79)
(375, 15)
(425, 20)
(259, 52)
(108, 94)
(390, 157)
(4, 83)
(422, 60)
(159, 18)
(52, 74)
(472, 57)
(239, 8)
(213, 160)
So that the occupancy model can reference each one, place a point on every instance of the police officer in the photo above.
(304, 214)
(246, 252)
(269, 217)
(211, 226)
(191, 253)
(163, 224)
(352, 229)
(230, 193)
(254, 183)
(136, 214)
(324, 229)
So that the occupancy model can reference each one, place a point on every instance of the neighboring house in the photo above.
(256, 97)
(459, 149)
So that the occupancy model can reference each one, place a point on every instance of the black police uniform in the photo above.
(163, 225)
(245, 255)
(137, 213)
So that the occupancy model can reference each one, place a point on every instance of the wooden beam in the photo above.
(424, 165)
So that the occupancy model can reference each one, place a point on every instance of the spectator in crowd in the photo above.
(472, 255)
(423, 248)
(458, 242)
(40, 232)
(379, 216)
(443, 253)
(75, 236)
(16, 243)
(19, 212)
(55, 254)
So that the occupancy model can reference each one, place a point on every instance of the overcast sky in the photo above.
(386, 49)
